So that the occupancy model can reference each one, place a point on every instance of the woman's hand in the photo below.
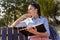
(28, 15)
(32, 30)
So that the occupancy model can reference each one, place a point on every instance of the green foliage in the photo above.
(47, 7)
(13, 9)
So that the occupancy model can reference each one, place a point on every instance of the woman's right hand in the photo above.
(26, 15)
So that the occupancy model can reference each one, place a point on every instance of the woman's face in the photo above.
(32, 10)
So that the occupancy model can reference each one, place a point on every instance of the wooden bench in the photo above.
(11, 34)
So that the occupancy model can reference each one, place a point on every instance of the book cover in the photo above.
(40, 28)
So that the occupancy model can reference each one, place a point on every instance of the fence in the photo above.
(11, 34)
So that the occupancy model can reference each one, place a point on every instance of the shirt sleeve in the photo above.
(46, 25)
(21, 24)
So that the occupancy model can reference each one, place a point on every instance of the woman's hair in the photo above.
(36, 5)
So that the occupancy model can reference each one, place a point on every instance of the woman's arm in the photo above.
(17, 21)
(46, 24)
(20, 19)
(34, 31)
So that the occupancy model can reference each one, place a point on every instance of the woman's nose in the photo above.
(29, 11)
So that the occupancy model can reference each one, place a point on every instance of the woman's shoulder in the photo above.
(44, 18)
(27, 19)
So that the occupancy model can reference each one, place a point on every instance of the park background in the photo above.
(10, 10)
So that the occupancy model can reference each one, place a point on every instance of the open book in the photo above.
(40, 28)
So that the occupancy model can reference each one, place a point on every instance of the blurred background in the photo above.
(10, 10)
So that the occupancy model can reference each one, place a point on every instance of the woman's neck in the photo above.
(36, 16)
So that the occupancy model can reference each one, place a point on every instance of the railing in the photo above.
(11, 34)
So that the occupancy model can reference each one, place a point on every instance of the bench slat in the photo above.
(4, 31)
(0, 31)
(26, 37)
(9, 33)
(15, 35)
(21, 36)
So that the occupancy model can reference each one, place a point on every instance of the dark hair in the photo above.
(36, 5)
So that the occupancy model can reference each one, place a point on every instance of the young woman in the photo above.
(33, 17)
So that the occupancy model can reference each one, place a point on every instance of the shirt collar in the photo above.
(37, 18)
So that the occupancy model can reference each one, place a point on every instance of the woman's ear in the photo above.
(36, 10)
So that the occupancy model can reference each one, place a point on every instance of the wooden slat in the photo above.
(15, 35)
(21, 36)
(4, 30)
(0, 31)
(12, 36)
(9, 33)
(25, 37)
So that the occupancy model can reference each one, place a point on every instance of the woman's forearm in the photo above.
(42, 34)
(45, 34)
(38, 33)
(20, 19)
(16, 22)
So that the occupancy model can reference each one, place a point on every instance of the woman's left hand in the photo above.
(32, 30)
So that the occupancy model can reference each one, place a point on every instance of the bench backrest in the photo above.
(11, 34)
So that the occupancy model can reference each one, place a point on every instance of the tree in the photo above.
(49, 9)
(13, 9)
